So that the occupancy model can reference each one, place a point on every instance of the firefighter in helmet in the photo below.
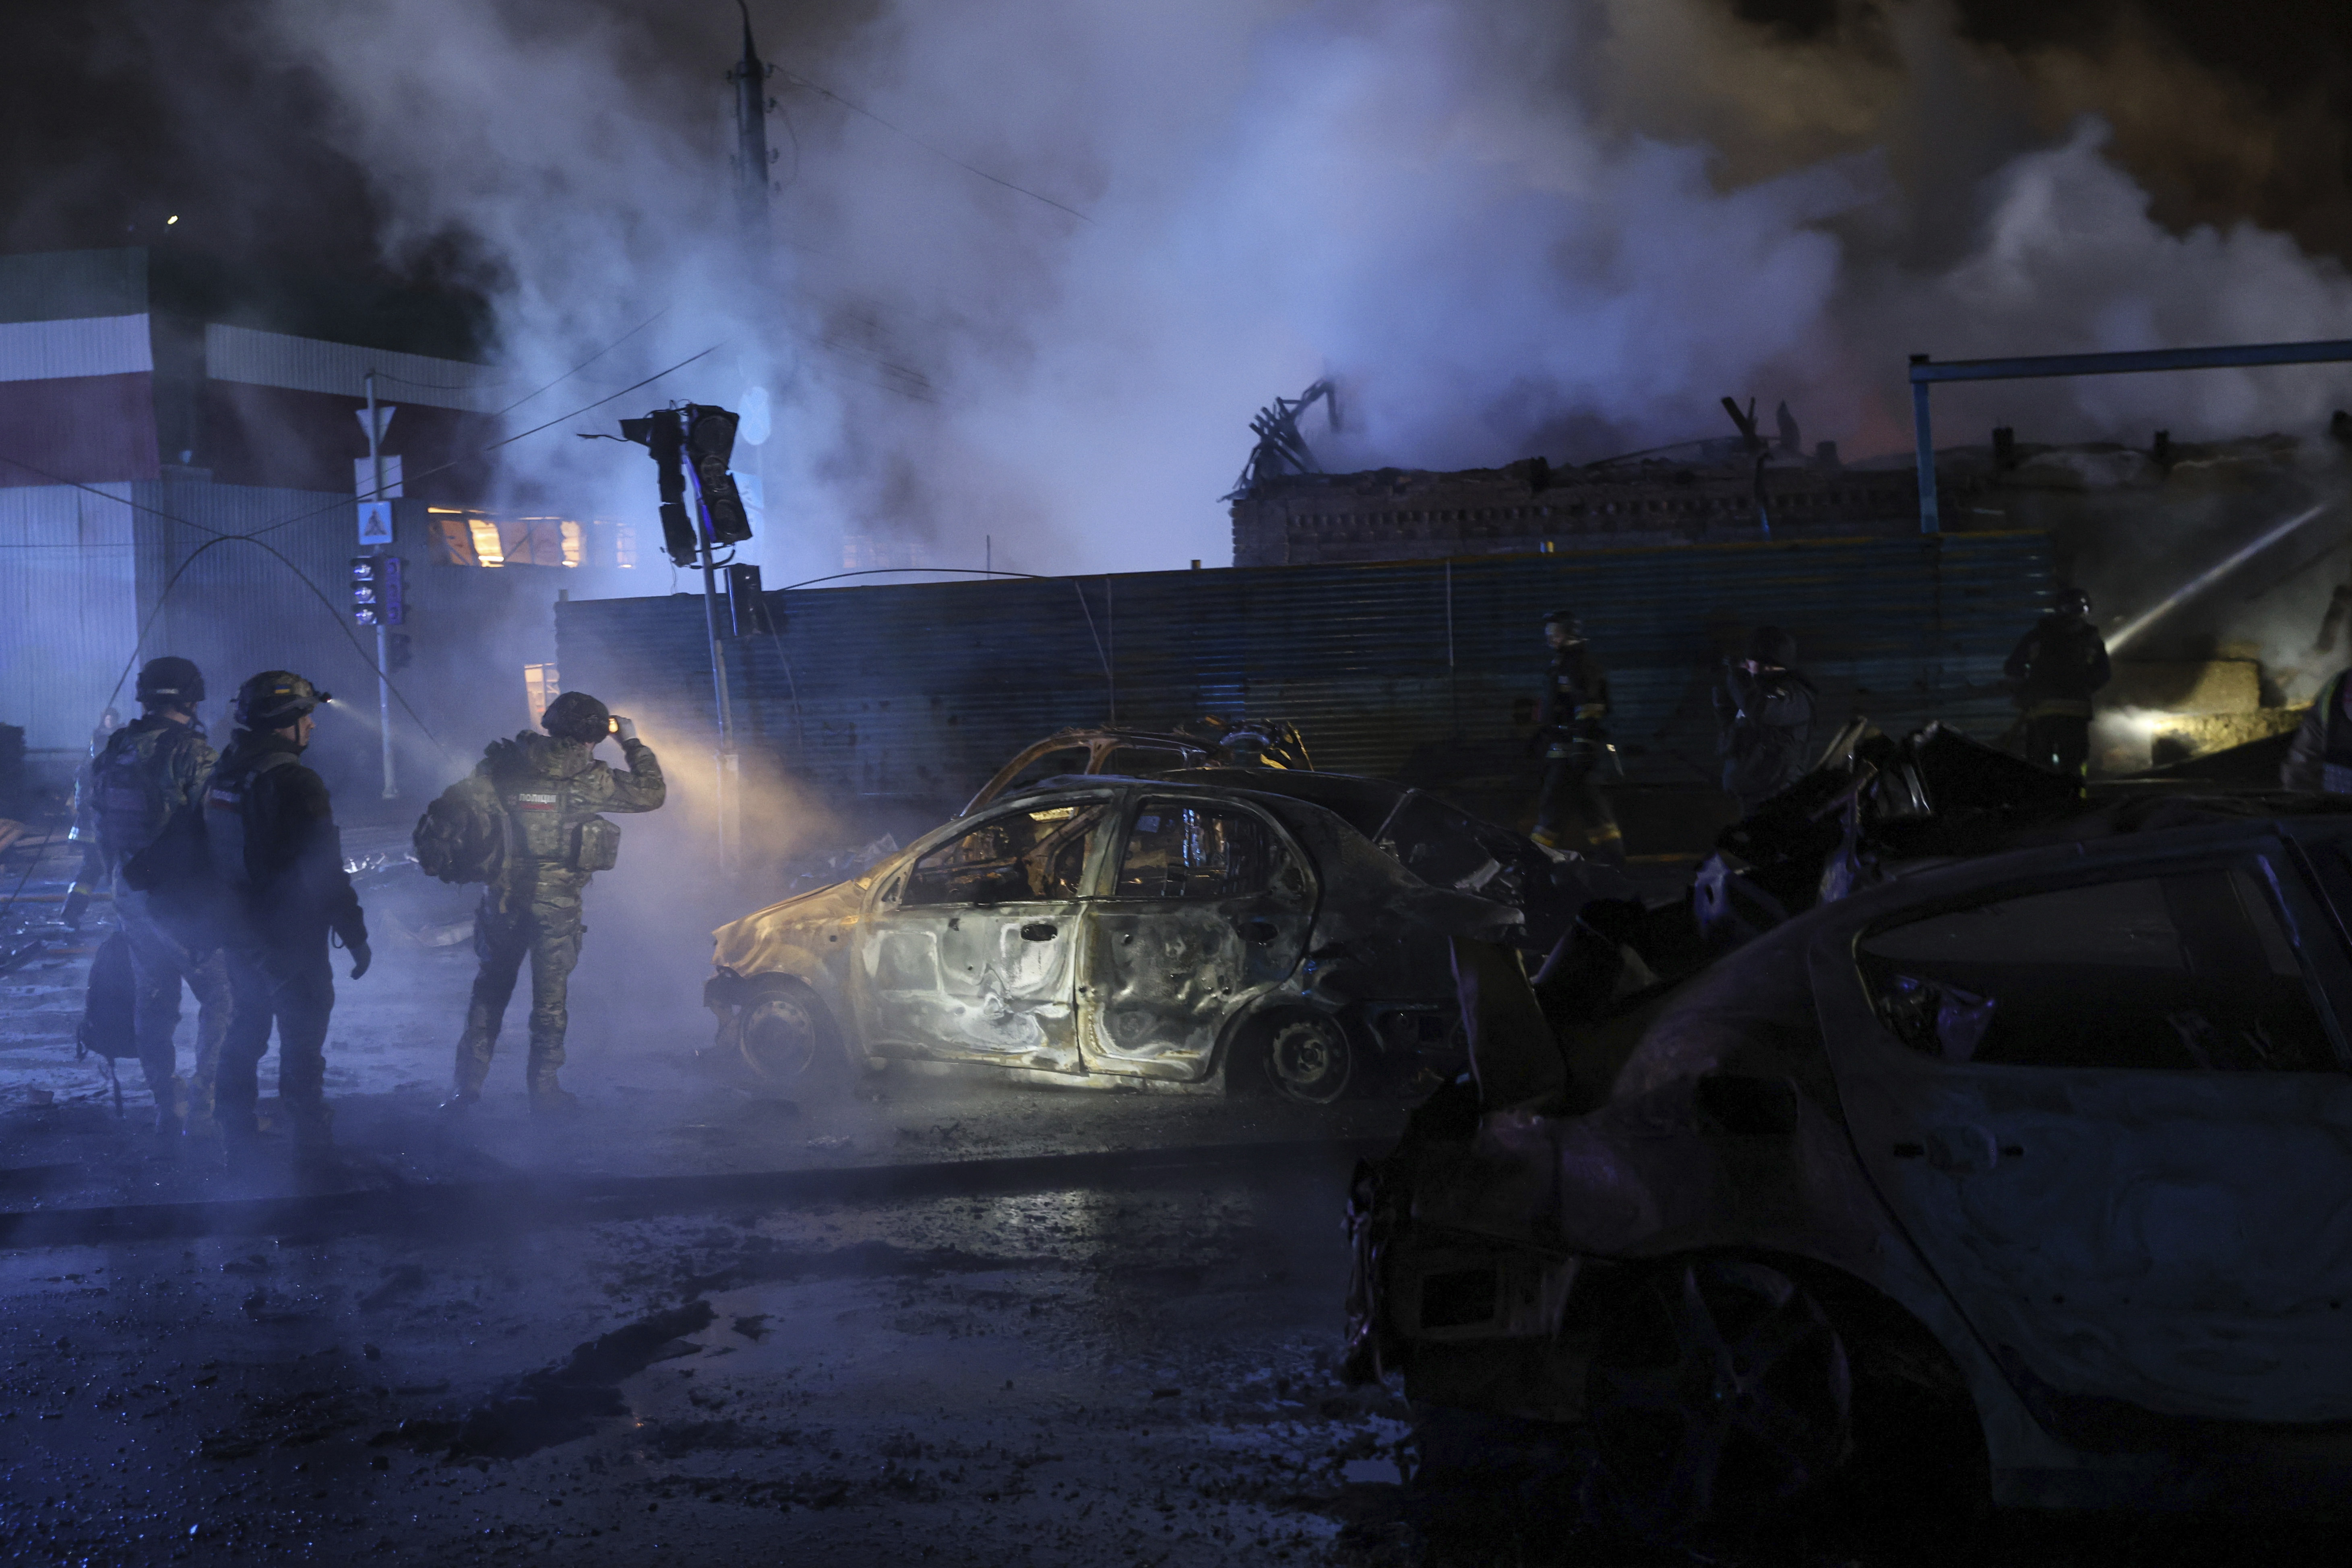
(2319, 762)
(1572, 727)
(551, 792)
(146, 788)
(269, 829)
(1764, 720)
(2056, 670)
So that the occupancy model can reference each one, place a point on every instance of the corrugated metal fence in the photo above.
(1407, 667)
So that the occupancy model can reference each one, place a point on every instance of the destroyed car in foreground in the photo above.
(1123, 930)
(2028, 1167)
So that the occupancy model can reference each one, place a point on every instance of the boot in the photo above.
(553, 1100)
(460, 1101)
(548, 1097)
(171, 1109)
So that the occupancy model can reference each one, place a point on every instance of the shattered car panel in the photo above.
(1115, 928)
(1205, 904)
(2067, 1128)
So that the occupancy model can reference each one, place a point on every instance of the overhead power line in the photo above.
(802, 81)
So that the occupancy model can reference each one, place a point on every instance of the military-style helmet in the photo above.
(1770, 644)
(576, 716)
(1566, 619)
(275, 698)
(2073, 602)
(172, 681)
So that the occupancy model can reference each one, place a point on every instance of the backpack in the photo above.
(461, 837)
(105, 1030)
(157, 848)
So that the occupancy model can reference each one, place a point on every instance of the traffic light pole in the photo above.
(383, 631)
(729, 763)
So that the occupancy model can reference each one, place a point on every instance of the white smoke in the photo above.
(1504, 226)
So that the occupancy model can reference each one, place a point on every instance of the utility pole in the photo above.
(383, 631)
(751, 78)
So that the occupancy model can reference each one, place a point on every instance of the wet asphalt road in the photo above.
(1136, 1366)
(434, 1356)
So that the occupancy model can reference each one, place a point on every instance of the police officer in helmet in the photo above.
(146, 793)
(549, 791)
(1572, 727)
(270, 831)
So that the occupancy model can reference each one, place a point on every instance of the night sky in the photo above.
(118, 113)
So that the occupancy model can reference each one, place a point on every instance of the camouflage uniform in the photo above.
(292, 891)
(551, 791)
(147, 785)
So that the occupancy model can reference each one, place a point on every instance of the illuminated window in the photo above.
(625, 544)
(451, 538)
(465, 537)
(540, 686)
(489, 549)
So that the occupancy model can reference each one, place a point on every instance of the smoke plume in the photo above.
(1503, 227)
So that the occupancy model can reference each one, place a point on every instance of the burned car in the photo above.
(1105, 928)
(2026, 1167)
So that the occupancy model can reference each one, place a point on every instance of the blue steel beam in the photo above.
(1926, 372)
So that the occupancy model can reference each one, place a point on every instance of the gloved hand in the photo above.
(624, 729)
(361, 958)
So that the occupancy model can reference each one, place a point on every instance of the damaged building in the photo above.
(2232, 660)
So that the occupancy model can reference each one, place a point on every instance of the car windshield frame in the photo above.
(891, 894)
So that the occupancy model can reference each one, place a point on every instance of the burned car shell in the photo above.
(2138, 1265)
(1096, 985)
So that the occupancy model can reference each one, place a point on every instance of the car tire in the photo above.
(787, 1040)
(1720, 1400)
(1307, 1057)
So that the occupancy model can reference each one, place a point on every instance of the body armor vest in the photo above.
(545, 824)
(128, 782)
(227, 806)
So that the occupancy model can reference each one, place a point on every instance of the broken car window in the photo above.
(1071, 760)
(1137, 761)
(1179, 851)
(2193, 970)
(1020, 856)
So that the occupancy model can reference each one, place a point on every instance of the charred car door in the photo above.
(1210, 903)
(2110, 1110)
(967, 954)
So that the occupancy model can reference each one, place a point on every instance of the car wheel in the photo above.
(1309, 1060)
(1720, 1401)
(786, 1038)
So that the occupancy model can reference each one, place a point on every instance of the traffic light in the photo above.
(747, 608)
(707, 436)
(376, 596)
(710, 438)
